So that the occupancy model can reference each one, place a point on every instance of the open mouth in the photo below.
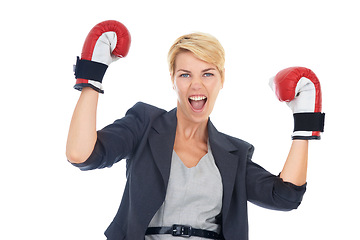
(197, 102)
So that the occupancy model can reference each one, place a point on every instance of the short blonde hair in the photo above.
(204, 46)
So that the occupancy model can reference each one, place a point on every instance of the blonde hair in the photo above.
(204, 46)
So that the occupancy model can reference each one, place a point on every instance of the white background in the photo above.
(44, 197)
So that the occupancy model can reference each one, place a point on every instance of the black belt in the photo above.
(183, 231)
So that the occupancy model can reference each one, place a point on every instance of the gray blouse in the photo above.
(193, 197)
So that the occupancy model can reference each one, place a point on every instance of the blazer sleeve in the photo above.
(120, 139)
(270, 191)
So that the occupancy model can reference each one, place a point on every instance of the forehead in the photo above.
(188, 61)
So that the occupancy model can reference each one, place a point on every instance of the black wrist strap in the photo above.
(86, 69)
(309, 121)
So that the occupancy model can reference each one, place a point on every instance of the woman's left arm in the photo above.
(295, 167)
(300, 89)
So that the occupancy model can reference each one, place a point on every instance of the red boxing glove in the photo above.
(300, 89)
(106, 42)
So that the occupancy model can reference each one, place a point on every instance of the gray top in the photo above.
(193, 197)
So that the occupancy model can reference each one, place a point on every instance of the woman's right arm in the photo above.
(82, 132)
(105, 43)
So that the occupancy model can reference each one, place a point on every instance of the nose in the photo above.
(196, 83)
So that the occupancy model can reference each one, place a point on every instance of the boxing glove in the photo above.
(300, 89)
(106, 42)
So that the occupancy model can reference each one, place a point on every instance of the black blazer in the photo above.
(145, 137)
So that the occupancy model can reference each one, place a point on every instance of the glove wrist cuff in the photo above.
(89, 74)
(310, 137)
(91, 70)
(308, 125)
(309, 121)
(92, 84)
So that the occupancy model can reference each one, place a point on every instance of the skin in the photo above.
(192, 78)
(295, 167)
(82, 132)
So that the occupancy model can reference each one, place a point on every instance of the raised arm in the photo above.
(82, 132)
(105, 43)
(295, 167)
(300, 89)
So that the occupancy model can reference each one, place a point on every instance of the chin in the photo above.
(199, 116)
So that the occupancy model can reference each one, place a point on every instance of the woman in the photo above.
(184, 178)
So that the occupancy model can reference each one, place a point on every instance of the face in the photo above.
(197, 85)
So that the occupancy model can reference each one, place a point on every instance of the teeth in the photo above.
(197, 98)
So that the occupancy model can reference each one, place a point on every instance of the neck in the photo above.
(192, 130)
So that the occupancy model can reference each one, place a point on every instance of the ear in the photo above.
(223, 79)
(172, 81)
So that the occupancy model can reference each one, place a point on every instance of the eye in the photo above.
(208, 74)
(185, 75)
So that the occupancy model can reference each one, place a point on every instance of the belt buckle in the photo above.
(181, 230)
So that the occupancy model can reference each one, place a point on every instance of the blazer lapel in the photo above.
(161, 140)
(226, 162)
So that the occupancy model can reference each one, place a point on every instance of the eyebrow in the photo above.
(205, 70)
(183, 70)
(208, 69)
